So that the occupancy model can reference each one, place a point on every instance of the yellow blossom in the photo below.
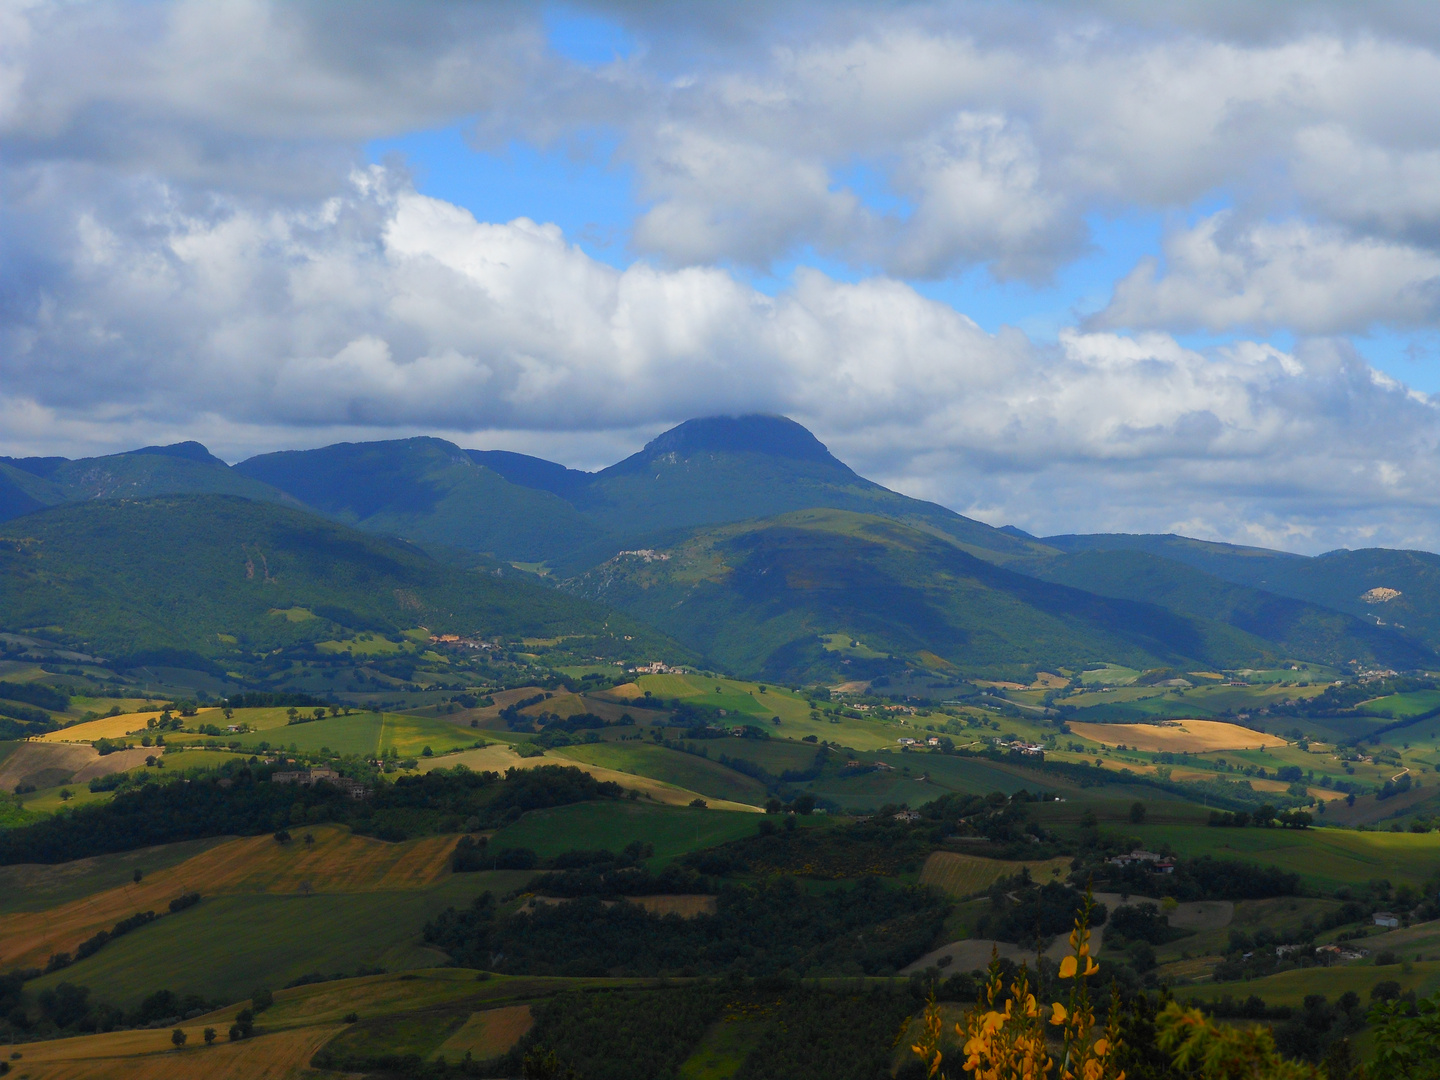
(1068, 967)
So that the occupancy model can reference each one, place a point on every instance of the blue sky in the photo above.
(585, 185)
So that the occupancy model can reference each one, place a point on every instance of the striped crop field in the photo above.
(150, 1055)
(965, 875)
(337, 861)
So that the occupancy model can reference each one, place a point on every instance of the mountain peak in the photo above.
(776, 436)
(186, 451)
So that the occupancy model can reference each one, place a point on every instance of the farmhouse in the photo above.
(354, 788)
(1387, 918)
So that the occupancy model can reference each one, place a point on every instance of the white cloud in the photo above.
(387, 310)
(192, 248)
(1312, 280)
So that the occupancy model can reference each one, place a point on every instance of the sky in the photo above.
(1072, 266)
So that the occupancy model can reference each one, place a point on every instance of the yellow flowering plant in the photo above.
(1009, 1041)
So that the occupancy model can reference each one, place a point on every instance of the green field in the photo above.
(362, 733)
(1292, 987)
(228, 945)
(746, 698)
(1403, 706)
(1324, 858)
(611, 825)
(672, 767)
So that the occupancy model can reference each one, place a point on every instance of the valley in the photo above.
(402, 759)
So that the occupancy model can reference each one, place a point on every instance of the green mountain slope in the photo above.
(1340, 580)
(124, 576)
(526, 509)
(1232, 562)
(830, 592)
(181, 469)
(430, 491)
(722, 469)
(1296, 627)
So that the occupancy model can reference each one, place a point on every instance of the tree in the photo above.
(319, 714)
(1264, 815)
(209, 1036)
(178, 1037)
(1137, 813)
(1407, 1041)
(65, 794)
(137, 876)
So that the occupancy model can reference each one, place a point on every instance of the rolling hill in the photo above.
(1394, 589)
(1296, 627)
(429, 491)
(831, 592)
(209, 573)
(29, 484)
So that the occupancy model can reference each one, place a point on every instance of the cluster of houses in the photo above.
(306, 777)
(455, 641)
(1151, 860)
(657, 668)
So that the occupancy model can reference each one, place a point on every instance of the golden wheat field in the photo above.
(337, 861)
(150, 1055)
(963, 875)
(1194, 736)
(111, 727)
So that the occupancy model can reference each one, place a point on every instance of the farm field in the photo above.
(684, 770)
(1180, 736)
(1403, 706)
(362, 733)
(36, 887)
(611, 825)
(224, 947)
(49, 764)
(1324, 858)
(961, 875)
(117, 727)
(337, 862)
(150, 1055)
(499, 757)
(1291, 987)
(487, 1034)
(747, 699)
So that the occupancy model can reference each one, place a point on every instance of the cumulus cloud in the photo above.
(194, 247)
(384, 309)
(1266, 277)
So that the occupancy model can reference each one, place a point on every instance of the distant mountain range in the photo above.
(742, 538)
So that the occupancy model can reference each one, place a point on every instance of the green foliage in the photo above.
(616, 1035)
(1407, 1039)
(758, 930)
(884, 847)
